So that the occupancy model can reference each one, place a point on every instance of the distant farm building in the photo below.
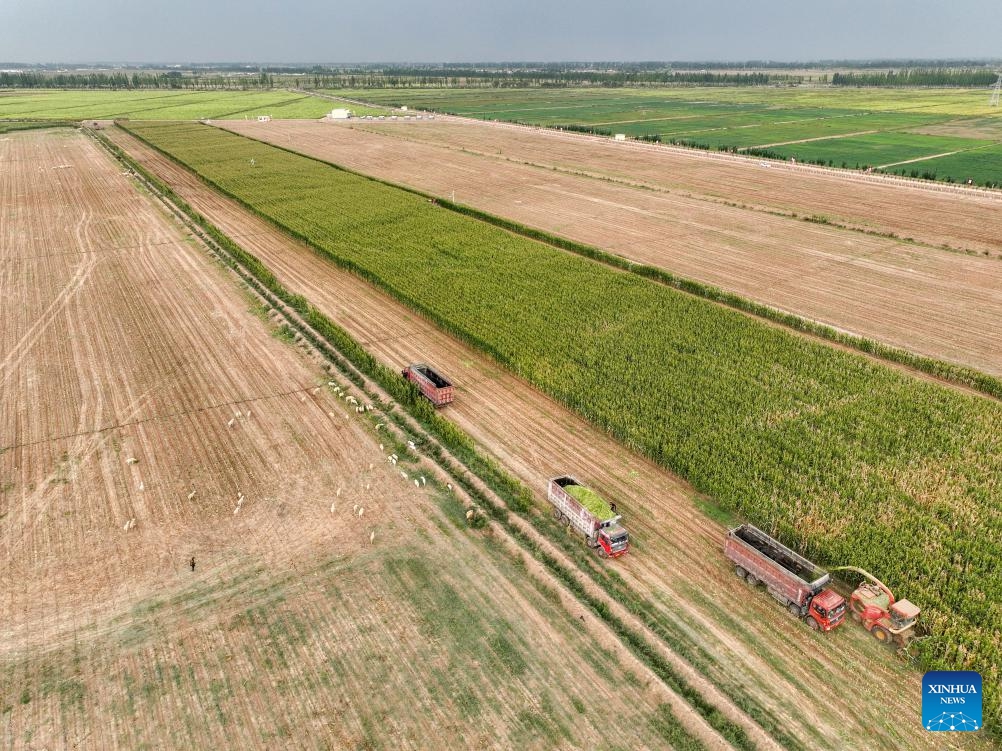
(620, 136)
(339, 114)
(264, 118)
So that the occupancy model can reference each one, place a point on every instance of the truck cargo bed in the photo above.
(795, 564)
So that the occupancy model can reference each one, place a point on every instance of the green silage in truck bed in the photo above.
(590, 500)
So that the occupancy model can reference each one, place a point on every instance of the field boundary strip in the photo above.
(982, 383)
(516, 498)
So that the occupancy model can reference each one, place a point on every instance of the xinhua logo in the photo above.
(951, 700)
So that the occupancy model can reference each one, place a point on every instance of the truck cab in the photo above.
(826, 611)
(613, 540)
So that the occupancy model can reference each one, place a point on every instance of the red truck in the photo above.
(789, 577)
(595, 519)
(436, 387)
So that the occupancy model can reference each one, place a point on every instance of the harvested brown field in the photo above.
(926, 300)
(824, 691)
(150, 413)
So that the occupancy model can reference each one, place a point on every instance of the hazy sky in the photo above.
(545, 30)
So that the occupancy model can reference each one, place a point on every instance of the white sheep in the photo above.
(417, 484)
(403, 474)
(236, 511)
(339, 492)
(379, 426)
(132, 460)
(332, 508)
(423, 480)
(230, 423)
(410, 445)
(191, 495)
(372, 536)
(361, 511)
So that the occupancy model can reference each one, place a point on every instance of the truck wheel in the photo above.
(881, 634)
(794, 609)
(812, 622)
(602, 553)
(557, 515)
(752, 579)
(566, 520)
(741, 573)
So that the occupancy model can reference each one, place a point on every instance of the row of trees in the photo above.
(450, 78)
(124, 80)
(918, 77)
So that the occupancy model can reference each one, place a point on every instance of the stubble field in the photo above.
(149, 415)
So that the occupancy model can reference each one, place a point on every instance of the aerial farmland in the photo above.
(229, 521)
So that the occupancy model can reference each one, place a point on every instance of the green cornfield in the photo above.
(845, 459)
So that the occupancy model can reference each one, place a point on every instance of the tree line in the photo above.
(123, 80)
(420, 78)
(918, 77)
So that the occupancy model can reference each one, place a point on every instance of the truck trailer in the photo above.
(584, 511)
(436, 388)
(790, 578)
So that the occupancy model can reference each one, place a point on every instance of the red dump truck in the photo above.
(436, 387)
(789, 577)
(585, 511)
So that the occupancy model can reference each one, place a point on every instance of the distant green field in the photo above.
(947, 102)
(983, 166)
(163, 105)
(877, 150)
(835, 125)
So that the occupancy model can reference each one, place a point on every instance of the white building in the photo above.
(264, 118)
(340, 114)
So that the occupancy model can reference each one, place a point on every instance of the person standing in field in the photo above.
(193, 563)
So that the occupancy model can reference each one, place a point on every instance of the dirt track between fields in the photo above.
(137, 386)
(677, 560)
(926, 300)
